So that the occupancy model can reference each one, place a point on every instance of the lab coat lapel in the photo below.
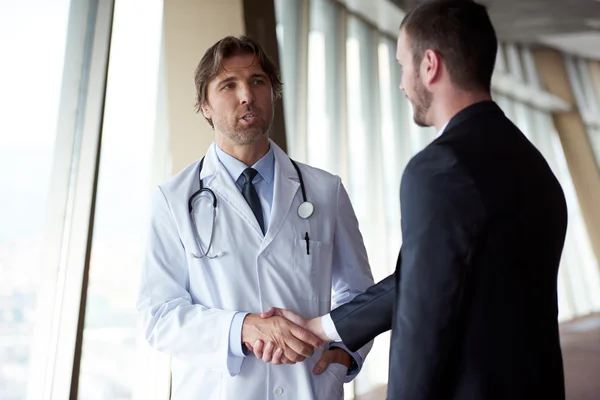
(215, 176)
(286, 186)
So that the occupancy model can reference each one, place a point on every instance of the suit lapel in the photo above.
(215, 176)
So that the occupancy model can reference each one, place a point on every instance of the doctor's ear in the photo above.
(206, 110)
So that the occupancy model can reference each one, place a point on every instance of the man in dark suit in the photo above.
(473, 302)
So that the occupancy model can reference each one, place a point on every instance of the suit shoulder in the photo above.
(434, 158)
(438, 169)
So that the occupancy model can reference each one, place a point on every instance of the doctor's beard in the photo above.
(235, 130)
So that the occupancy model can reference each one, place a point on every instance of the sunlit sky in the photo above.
(32, 44)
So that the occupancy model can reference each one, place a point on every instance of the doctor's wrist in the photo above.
(248, 327)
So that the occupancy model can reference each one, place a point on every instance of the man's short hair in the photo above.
(210, 65)
(461, 32)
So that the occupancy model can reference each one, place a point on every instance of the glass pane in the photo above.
(288, 14)
(323, 88)
(111, 345)
(32, 44)
(395, 140)
(366, 166)
(368, 112)
(361, 103)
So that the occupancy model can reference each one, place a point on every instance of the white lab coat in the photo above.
(187, 304)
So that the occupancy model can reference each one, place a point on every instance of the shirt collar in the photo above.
(442, 130)
(265, 166)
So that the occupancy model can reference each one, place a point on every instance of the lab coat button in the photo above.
(278, 391)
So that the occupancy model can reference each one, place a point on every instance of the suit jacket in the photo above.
(473, 301)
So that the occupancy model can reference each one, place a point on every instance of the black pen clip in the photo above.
(307, 248)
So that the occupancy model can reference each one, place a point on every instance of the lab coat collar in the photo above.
(286, 181)
(215, 177)
(283, 164)
(212, 165)
(265, 166)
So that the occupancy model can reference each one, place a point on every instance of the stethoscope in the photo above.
(305, 211)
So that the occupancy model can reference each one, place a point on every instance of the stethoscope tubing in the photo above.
(202, 189)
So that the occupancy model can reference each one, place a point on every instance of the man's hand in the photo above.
(271, 353)
(314, 325)
(294, 343)
(334, 355)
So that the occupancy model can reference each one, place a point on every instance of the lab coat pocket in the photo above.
(306, 264)
(338, 371)
(332, 388)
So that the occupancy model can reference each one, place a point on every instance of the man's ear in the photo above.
(206, 110)
(431, 67)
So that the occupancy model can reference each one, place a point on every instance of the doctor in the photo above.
(241, 230)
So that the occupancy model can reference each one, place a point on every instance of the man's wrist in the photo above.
(342, 357)
(316, 327)
(349, 360)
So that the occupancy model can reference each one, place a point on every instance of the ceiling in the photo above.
(569, 25)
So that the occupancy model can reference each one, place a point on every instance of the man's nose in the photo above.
(246, 94)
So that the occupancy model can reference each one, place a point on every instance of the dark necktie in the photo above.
(249, 193)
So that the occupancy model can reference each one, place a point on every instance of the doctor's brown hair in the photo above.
(210, 66)
(461, 32)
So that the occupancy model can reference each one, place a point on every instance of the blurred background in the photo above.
(97, 107)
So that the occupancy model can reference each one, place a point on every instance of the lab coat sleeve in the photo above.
(171, 323)
(351, 274)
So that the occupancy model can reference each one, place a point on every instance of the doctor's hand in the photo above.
(314, 325)
(334, 355)
(293, 342)
(269, 352)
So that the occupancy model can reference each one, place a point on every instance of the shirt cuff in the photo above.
(235, 335)
(329, 328)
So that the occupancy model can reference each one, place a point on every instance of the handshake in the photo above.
(281, 336)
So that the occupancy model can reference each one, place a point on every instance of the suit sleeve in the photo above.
(171, 322)
(367, 315)
(442, 214)
(351, 274)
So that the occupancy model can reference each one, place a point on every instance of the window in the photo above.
(578, 273)
(112, 350)
(292, 36)
(323, 105)
(32, 42)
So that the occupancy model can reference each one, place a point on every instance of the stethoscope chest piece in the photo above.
(306, 210)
